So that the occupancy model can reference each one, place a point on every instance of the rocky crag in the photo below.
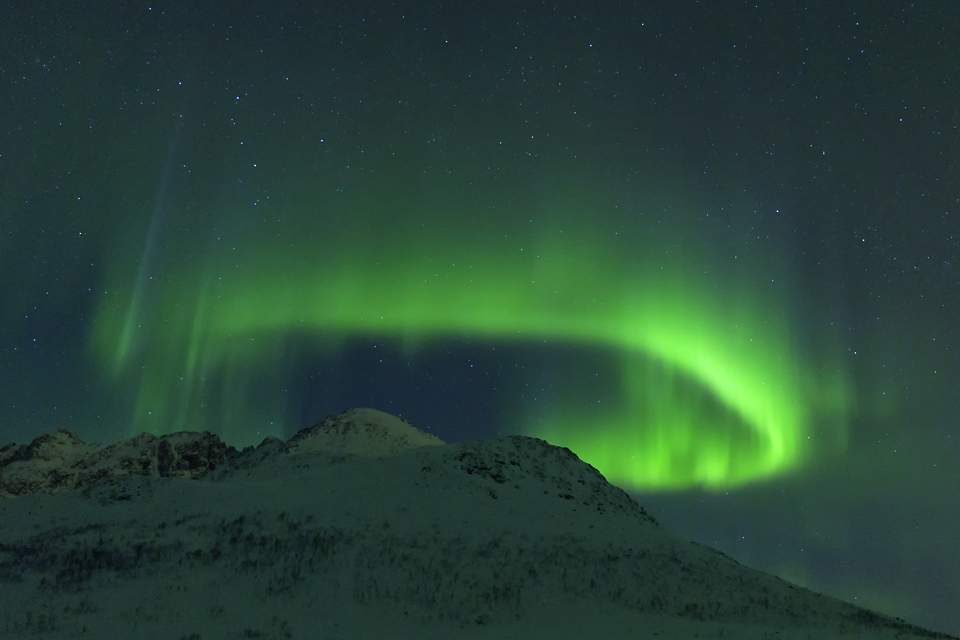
(59, 462)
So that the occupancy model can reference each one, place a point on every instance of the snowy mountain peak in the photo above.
(514, 462)
(365, 432)
(364, 527)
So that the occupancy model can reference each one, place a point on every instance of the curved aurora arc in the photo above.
(714, 394)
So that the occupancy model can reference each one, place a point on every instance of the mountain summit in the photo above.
(365, 527)
(366, 432)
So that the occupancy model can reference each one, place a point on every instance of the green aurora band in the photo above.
(714, 393)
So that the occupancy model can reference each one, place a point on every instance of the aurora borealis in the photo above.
(709, 249)
(757, 400)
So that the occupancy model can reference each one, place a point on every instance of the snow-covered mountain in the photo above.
(365, 527)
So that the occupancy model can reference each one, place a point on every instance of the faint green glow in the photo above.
(714, 393)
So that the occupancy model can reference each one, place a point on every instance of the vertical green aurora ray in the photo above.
(714, 392)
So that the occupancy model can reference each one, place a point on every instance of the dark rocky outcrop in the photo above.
(61, 461)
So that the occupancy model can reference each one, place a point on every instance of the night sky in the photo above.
(711, 247)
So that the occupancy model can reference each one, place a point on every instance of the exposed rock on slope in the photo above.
(513, 460)
(62, 462)
(49, 464)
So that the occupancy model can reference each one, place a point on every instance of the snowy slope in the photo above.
(364, 527)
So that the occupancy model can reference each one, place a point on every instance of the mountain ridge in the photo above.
(61, 461)
(508, 537)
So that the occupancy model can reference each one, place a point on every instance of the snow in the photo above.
(363, 527)
(365, 432)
